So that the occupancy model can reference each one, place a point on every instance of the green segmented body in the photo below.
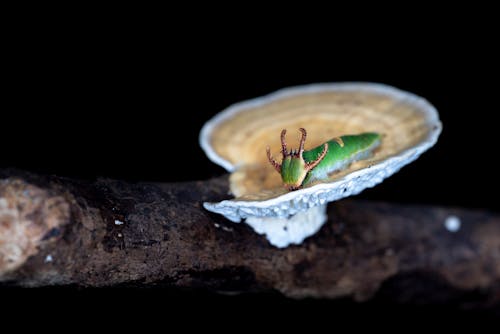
(356, 147)
(300, 167)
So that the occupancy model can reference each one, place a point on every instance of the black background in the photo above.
(132, 107)
(128, 102)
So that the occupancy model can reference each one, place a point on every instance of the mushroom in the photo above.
(237, 138)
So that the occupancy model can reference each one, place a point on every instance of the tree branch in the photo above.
(59, 231)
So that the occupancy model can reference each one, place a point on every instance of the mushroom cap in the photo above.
(237, 137)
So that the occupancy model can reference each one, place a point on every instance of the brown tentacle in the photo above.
(283, 143)
(273, 162)
(302, 140)
(313, 164)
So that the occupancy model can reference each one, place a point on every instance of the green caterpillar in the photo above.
(299, 167)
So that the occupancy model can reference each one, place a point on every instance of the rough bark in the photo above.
(59, 231)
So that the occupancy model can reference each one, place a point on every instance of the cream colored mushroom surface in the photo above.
(237, 138)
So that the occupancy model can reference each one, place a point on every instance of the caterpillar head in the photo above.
(293, 168)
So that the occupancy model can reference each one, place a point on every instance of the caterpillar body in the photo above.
(299, 167)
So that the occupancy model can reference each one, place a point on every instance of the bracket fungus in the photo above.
(397, 127)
